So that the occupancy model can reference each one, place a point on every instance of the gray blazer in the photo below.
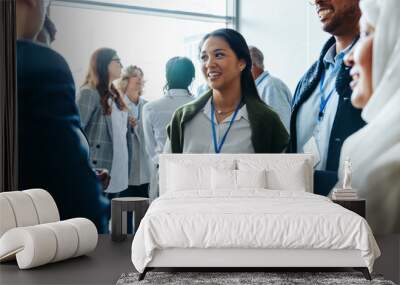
(97, 127)
(139, 161)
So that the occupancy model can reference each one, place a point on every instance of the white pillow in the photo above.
(251, 178)
(223, 179)
(283, 173)
(191, 176)
(293, 179)
(183, 178)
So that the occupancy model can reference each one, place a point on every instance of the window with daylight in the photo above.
(145, 33)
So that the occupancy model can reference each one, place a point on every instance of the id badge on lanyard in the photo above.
(312, 147)
(218, 147)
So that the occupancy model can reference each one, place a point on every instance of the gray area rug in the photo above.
(243, 278)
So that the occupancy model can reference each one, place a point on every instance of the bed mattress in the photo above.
(250, 219)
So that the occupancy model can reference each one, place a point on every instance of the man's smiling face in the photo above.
(338, 16)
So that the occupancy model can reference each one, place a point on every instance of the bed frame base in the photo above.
(363, 270)
(143, 274)
(256, 260)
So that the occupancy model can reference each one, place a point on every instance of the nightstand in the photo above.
(119, 209)
(357, 205)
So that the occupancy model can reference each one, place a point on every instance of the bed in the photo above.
(247, 211)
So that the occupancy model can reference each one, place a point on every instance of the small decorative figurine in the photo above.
(347, 175)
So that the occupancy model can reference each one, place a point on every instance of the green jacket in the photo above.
(268, 134)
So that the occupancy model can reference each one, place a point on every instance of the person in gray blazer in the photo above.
(104, 119)
(131, 86)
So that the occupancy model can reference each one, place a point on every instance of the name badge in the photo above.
(312, 147)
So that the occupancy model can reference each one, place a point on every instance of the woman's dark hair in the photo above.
(179, 72)
(98, 77)
(239, 46)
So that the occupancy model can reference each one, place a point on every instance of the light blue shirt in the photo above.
(120, 162)
(307, 124)
(275, 94)
(198, 133)
(157, 115)
(134, 107)
(139, 172)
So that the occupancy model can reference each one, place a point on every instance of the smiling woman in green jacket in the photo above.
(231, 117)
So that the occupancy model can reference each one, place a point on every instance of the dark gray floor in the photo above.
(389, 263)
(103, 266)
(111, 259)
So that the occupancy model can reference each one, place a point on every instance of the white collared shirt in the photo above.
(307, 124)
(139, 171)
(198, 136)
(157, 115)
(134, 107)
(120, 163)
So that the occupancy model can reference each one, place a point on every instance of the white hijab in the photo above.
(379, 141)
(384, 16)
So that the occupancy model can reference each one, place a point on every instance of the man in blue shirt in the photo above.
(272, 90)
(322, 113)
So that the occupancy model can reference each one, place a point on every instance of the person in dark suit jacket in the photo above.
(322, 113)
(53, 151)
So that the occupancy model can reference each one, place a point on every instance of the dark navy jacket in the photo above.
(53, 152)
(347, 119)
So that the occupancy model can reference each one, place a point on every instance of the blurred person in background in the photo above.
(131, 86)
(272, 90)
(179, 73)
(104, 118)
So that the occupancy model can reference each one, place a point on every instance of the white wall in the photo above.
(287, 32)
(148, 41)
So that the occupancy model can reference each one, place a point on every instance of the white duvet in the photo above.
(253, 218)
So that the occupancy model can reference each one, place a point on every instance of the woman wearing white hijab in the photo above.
(375, 149)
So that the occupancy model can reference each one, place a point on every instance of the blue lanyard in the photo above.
(217, 148)
(325, 99)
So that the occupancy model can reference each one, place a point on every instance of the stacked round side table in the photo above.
(119, 209)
